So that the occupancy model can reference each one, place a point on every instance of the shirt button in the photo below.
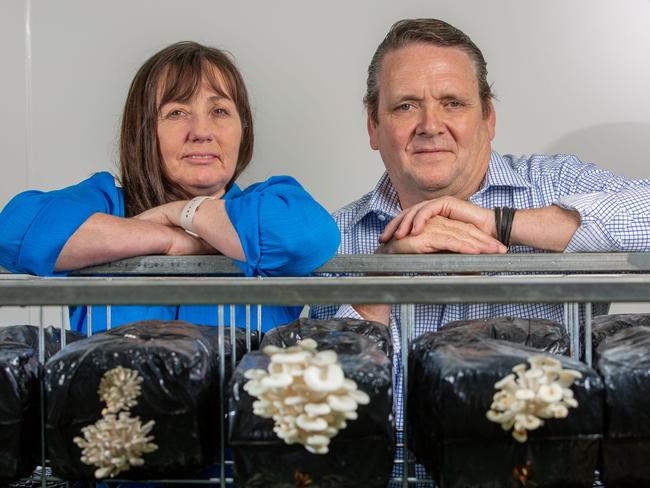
(381, 217)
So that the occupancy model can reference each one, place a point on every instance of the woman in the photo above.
(187, 134)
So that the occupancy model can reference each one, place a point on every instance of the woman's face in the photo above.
(199, 140)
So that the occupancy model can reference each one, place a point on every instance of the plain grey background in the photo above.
(569, 75)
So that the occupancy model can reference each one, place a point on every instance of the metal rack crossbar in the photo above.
(576, 280)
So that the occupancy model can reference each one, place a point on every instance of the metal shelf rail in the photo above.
(576, 280)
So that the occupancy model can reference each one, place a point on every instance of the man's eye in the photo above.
(404, 107)
(454, 104)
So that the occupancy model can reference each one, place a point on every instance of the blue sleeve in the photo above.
(282, 229)
(35, 225)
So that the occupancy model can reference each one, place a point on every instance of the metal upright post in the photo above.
(588, 318)
(41, 360)
(407, 315)
(222, 389)
(233, 340)
(248, 327)
(89, 320)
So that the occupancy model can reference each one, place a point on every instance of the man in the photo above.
(431, 117)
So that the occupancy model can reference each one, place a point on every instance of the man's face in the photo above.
(430, 131)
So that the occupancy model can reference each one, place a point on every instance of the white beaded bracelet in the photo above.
(187, 215)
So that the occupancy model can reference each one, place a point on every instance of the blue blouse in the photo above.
(282, 229)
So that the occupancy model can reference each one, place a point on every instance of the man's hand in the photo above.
(548, 228)
(443, 234)
(412, 220)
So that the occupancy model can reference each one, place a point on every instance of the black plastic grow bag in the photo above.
(624, 364)
(451, 389)
(359, 455)
(19, 410)
(179, 363)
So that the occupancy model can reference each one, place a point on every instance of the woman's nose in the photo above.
(201, 129)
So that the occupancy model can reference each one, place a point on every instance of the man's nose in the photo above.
(431, 121)
(201, 129)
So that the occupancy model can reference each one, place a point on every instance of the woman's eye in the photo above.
(174, 114)
(220, 112)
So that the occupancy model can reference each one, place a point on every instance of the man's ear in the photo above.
(491, 120)
(372, 133)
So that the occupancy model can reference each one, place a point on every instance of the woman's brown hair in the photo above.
(175, 73)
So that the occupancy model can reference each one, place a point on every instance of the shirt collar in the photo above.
(384, 201)
(501, 173)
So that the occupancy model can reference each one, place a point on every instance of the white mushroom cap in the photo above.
(311, 424)
(324, 358)
(505, 382)
(317, 449)
(318, 440)
(568, 376)
(520, 435)
(268, 350)
(528, 422)
(342, 403)
(545, 362)
(291, 357)
(280, 380)
(534, 373)
(254, 374)
(317, 409)
(308, 343)
(524, 394)
(327, 378)
(294, 400)
(351, 415)
(550, 393)
(361, 397)
(254, 388)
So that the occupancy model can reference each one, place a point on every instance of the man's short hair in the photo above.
(428, 31)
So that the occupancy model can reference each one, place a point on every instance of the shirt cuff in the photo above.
(592, 235)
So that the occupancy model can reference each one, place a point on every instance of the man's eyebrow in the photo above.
(446, 98)
(406, 96)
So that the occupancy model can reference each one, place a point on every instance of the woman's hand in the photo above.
(180, 243)
(210, 222)
(168, 214)
(412, 220)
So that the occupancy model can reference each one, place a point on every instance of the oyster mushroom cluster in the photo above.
(116, 441)
(306, 394)
(119, 389)
(528, 396)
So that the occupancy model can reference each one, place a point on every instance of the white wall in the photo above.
(570, 76)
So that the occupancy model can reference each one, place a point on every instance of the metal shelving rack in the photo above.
(576, 280)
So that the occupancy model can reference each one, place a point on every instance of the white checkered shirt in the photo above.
(614, 211)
